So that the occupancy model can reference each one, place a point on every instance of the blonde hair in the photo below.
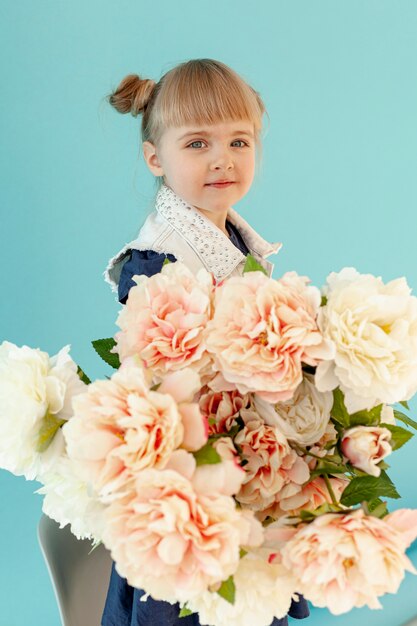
(199, 91)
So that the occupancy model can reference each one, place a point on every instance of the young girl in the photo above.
(201, 129)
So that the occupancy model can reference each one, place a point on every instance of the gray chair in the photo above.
(79, 579)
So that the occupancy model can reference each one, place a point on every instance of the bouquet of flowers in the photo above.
(237, 454)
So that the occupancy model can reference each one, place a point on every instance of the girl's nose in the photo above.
(223, 159)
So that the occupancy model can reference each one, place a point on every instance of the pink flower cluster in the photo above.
(213, 425)
(250, 333)
(343, 561)
(172, 527)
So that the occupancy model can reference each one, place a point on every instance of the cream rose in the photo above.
(366, 446)
(69, 500)
(262, 331)
(374, 329)
(263, 591)
(36, 392)
(302, 419)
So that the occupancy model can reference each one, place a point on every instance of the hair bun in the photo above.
(132, 95)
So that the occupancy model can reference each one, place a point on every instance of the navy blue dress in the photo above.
(123, 605)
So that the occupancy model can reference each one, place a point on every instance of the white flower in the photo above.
(35, 396)
(374, 328)
(69, 500)
(263, 591)
(304, 418)
(387, 415)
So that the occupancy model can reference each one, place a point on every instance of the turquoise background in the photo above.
(338, 183)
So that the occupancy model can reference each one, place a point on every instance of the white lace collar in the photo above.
(217, 252)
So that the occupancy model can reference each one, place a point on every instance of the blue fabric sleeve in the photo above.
(146, 262)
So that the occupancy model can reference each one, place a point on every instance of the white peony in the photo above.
(263, 591)
(69, 500)
(302, 419)
(35, 397)
(374, 328)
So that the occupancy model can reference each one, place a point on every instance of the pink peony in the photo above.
(164, 320)
(120, 427)
(405, 522)
(312, 495)
(221, 408)
(225, 477)
(366, 446)
(261, 333)
(348, 560)
(173, 541)
(272, 464)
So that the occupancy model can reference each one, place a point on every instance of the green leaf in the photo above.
(339, 412)
(184, 612)
(377, 508)
(325, 467)
(308, 516)
(83, 376)
(405, 419)
(330, 444)
(50, 425)
(355, 470)
(366, 488)
(399, 436)
(323, 301)
(404, 404)
(207, 455)
(252, 265)
(166, 261)
(366, 418)
(227, 590)
(103, 347)
(242, 553)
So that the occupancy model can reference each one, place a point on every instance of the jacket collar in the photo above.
(216, 251)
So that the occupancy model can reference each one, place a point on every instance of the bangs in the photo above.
(205, 91)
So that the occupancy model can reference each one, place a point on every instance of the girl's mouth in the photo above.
(220, 185)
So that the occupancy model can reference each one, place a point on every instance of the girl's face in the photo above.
(191, 158)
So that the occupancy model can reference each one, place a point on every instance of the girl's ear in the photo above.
(151, 158)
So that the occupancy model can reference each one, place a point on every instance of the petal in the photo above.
(405, 521)
(181, 385)
(195, 426)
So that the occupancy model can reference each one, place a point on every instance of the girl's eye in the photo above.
(193, 143)
(199, 141)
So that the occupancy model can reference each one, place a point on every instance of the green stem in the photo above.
(330, 489)
(316, 456)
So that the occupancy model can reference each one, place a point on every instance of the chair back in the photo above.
(80, 580)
